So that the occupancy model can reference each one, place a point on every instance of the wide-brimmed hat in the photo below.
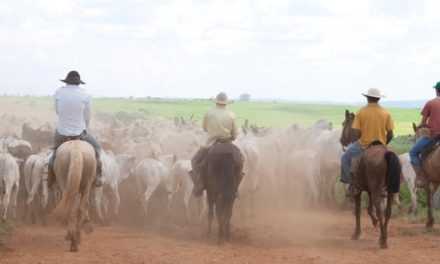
(221, 99)
(73, 78)
(373, 92)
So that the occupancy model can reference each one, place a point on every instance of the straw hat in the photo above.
(221, 99)
(73, 78)
(373, 92)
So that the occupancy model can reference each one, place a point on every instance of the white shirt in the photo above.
(72, 105)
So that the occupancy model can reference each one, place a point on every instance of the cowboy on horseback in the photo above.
(73, 107)
(431, 120)
(372, 123)
(219, 123)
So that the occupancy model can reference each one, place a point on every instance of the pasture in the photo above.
(267, 114)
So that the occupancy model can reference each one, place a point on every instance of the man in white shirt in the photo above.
(72, 105)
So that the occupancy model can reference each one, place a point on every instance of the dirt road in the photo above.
(295, 237)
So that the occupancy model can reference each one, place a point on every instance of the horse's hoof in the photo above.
(429, 224)
(383, 244)
(73, 247)
(355, 236)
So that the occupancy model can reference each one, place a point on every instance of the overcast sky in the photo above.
(327, 50)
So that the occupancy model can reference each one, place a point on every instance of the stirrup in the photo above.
(352, 191)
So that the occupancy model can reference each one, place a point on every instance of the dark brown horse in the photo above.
(431, 170)
(222, 169)
(378, 168)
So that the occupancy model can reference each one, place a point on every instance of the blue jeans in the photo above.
(59, 139)
(354, 150)
(414, 152)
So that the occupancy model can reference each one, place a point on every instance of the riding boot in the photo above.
(51, 177)
(98, 179)
(420, 178)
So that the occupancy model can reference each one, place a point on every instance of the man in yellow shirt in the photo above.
(372, 122)
(219, 123)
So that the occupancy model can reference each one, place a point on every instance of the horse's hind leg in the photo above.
(430, 190)
(220, 212)
(370, 210)
(210, 215)
(377, 203)
(357, 211)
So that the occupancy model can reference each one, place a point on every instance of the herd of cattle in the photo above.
(293, 166)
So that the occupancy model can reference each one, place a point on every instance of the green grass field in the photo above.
(268, 114)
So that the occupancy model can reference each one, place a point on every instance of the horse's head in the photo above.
(420, 131)
(348, 136)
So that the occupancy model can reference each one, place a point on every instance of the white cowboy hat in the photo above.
(373, 92)
(221, 99)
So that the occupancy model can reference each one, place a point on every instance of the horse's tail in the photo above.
(393, 172)
(71, 190)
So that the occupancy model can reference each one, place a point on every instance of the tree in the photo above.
(245, 97)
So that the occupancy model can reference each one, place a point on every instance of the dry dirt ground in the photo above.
(276, 237)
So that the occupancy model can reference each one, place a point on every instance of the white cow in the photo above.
(107, 195)
(180, 178)
(9, 183)
(304, 174)
(249, 184)
(409, 176)
(151, 174)
(36, 183)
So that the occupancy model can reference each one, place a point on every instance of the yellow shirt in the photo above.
(219, 123)
(373, 121)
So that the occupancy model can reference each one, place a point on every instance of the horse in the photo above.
(75, 169)
(378, 167)
(430, 170)
(222, 170)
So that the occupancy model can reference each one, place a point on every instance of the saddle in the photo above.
(238, 156)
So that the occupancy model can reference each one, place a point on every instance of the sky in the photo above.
(305, 50)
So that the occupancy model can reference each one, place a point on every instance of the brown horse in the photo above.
(75, 168)
(378, 167)
(222, 169)
(431, 170)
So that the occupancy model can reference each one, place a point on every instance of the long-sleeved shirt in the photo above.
(219, 123)
(72, 105)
